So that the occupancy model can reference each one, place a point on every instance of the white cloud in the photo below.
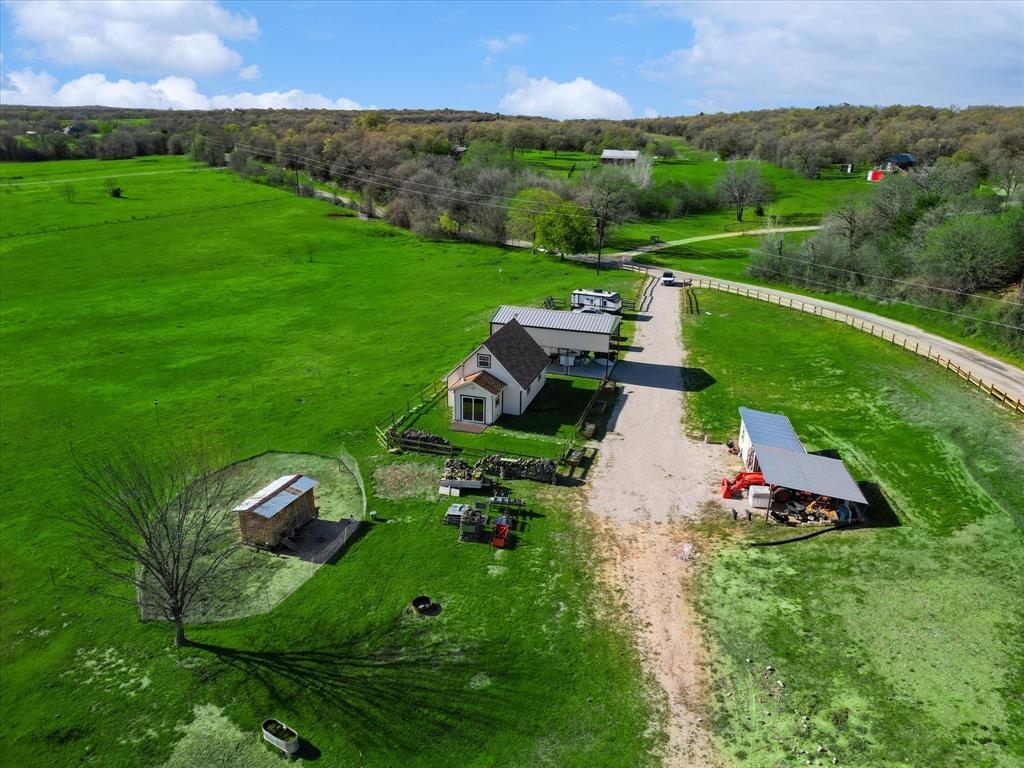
(579, 98)
(177, 37)
(752, 55)
(650, 112)
(499, 44)
(25, 86)
(252, 72)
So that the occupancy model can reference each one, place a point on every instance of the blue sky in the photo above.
(562, 60)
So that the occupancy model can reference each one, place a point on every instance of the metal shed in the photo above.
(559, 332)
(764, 429)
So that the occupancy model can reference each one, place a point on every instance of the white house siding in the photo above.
(535, 388)
(510, 396)
(553, 341)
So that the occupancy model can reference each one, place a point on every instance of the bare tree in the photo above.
(741, 186)
(847, 220)
(607, 196)
(161, 521)
(641, 173)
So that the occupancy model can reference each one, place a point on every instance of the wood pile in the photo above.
(418, 435)
(539, 470)
(457, 469)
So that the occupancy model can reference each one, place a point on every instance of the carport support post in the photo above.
(771, 498)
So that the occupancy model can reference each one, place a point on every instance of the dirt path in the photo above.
(650, 480)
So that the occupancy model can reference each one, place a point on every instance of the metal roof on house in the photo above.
(808, 472)
(275, 496)
(558, 320)
(517, 352)
(770, 429)
(487, 381)
(620, 154)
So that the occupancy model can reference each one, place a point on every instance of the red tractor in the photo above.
(730, 488)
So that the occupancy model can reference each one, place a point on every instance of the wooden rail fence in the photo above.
(1014, 404)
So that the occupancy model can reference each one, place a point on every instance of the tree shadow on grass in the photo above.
(391, 698)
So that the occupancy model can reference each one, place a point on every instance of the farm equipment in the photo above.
(730, 488)
(501, 532)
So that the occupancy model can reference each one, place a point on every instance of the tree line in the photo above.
(935, 237)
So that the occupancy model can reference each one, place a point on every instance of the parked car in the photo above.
(591, 311)
(668, 278)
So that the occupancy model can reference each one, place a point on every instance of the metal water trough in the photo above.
(287, 744)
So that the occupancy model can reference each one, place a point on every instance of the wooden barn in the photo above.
(275, 512)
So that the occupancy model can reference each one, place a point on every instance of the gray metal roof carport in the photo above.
(808, 472)
(555, 329)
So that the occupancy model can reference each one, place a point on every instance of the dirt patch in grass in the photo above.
(213, 739)
(407, 480)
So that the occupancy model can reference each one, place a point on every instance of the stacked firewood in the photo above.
(457, 469)
(419, 436)
(540, 470)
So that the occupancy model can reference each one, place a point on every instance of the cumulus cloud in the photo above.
(25, 86)
(252, 72)
(176, 37)
(751, 55)
(579, 98)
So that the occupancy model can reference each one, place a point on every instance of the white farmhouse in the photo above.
(501, 376)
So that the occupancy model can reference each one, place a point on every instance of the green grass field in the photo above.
(897, 644)
(202, 305)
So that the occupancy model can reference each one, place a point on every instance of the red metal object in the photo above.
(500, 536)
(744, 479)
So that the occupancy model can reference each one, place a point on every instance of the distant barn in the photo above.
(276, 511)
(619, 156)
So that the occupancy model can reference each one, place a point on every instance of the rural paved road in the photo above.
(1003, 376)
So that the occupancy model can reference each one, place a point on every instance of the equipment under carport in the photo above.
(759, 496)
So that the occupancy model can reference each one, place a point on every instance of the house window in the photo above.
(483, 361)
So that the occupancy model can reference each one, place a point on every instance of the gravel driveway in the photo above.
(649, 483)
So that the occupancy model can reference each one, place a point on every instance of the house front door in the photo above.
(473, 409)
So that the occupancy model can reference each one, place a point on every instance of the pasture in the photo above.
(795, 201)
(897, 643)
(202, 305)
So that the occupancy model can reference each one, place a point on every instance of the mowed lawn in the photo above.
(897, 644)
(259, 321)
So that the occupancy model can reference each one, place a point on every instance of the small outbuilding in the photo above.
(768, 444)
(501, 376)
(560, 333)
(619, 156)
(276, 512)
